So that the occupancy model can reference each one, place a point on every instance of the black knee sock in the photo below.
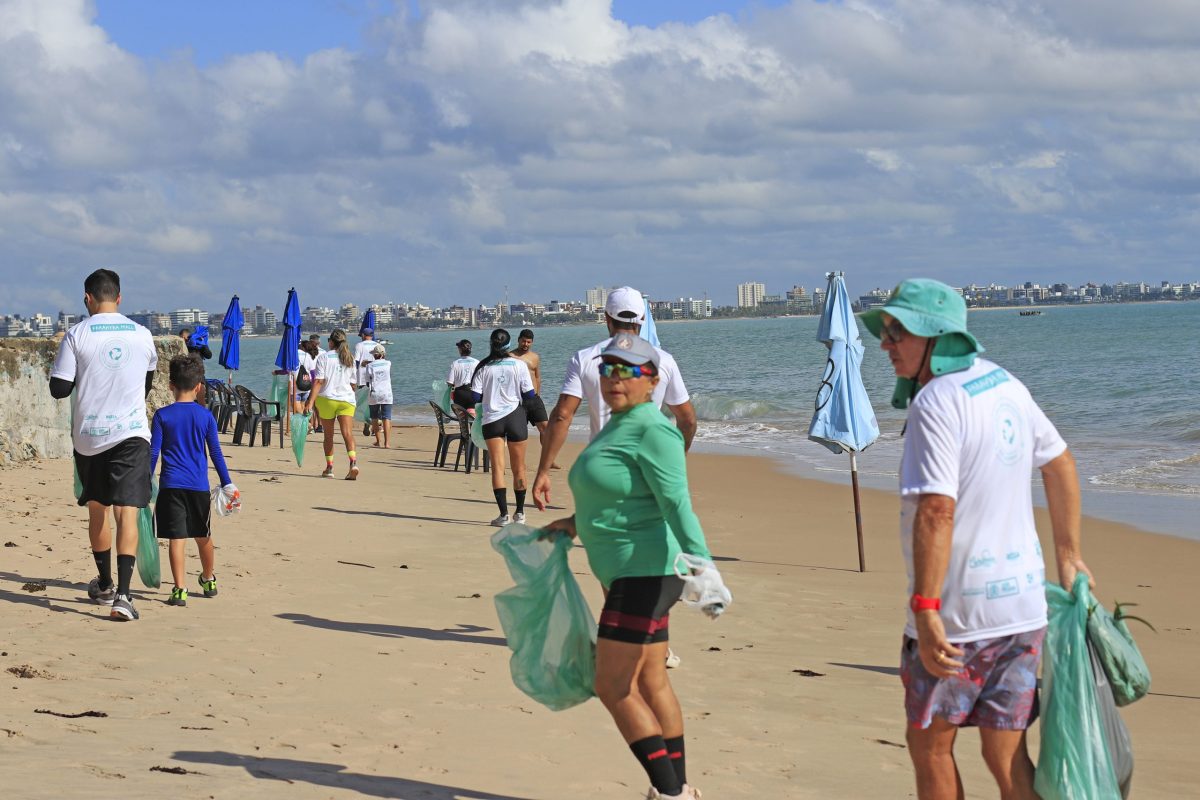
(501, 500)
(651, 753)
(675, 751)
(124, 573)
(520, 493)
(104, 566)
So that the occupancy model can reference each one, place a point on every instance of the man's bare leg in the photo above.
(1007, 756)
(932, 752)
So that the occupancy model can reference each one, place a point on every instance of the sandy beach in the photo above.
(354, 650)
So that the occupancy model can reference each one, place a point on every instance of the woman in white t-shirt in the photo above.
(333, 397)
(499, 387)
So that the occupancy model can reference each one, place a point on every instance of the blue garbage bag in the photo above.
(149, 569)
(1074, 762)
(547, 622)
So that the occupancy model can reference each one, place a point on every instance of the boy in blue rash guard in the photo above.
(181, 432)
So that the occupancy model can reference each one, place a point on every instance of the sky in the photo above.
(439, 151)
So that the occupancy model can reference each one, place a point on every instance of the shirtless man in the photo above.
(535, 409)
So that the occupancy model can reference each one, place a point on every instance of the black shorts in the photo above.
(182, 514)
(635, 610)
(463, 396)
(535, 410)
(119, 476)
(514, 428)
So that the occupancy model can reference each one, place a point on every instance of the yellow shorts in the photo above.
(332, 409)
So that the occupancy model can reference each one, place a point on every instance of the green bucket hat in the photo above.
(931, 309)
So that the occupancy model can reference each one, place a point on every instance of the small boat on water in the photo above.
(1030, 313)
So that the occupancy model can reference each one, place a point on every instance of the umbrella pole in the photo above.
(862, 563)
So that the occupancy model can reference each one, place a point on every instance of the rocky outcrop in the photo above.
(35, 425)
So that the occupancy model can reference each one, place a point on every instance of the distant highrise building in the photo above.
(596, 298)
(750, 295)
(262, 319)
(188, 318)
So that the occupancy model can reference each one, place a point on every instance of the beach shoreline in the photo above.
(354, 651)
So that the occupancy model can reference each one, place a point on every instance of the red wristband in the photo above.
(919, 603)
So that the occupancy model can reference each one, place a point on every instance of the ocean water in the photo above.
(1117, 381)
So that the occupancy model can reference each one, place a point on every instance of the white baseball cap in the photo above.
(625, 304)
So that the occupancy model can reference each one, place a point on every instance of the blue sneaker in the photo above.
(122, 609)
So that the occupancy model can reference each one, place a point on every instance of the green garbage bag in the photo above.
(477, 430)
(441, 396)
(1118, 653)
(71, 430)
(1074, 762)
(362, 411)
(548, 624)
(279, 391)
(299, 436)
(149, 569)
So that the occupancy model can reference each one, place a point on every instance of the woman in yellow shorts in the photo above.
(333, 395)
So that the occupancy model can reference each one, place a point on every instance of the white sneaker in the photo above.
(519, 518)
(672, 659)
(501, 521)
(688, 793)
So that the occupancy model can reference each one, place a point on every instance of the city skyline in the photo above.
(451, 148)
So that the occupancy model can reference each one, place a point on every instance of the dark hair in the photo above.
(525, 334)
(463, 345)
(187, 372)
(631, 325)
(104, 285)
(337, 338)
(184, 332)
(499, 343)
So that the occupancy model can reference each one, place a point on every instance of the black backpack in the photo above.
(303, 380)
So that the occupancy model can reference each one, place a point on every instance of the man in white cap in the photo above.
(624, 311)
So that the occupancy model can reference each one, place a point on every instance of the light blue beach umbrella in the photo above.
(231, 337)
(843, 419)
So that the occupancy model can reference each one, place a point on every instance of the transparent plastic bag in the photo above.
(148, 566)
(299, 424)
(226, 499)
(1127, 672)
(280, 386)
(362, 410)
(1074, 762)
(703, 587)
(547, 622)
(1116, 735)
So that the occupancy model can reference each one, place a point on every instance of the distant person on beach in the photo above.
(624, 311)
(633, 514)
(499, 387)
(333, 397)
(313, 347)
(363, 356)
(462, 369)
(109, 362)
(535, 409)
(195, 344)
(379, 381)
(977, 604)
(182, 433)
(302, 376)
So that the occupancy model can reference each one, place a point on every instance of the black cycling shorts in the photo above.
(119, 476)
(463, 396)
(513, 428)
(636, 609)
(535, 410)
(183, 514)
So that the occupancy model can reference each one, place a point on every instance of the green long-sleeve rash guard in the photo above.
(633, 511)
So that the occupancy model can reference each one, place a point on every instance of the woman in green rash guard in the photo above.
(634, 515)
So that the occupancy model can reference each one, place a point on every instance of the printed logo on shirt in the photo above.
(982, 561)
(985, 382)
(114, 354)
(1013, 556)
(1005, 587)
(1008, 421)
(110, 327)
(1037, 578)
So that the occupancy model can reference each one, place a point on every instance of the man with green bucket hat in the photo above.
(977, 606)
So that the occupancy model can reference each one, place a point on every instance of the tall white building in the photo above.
(751, 294)
(262, 319)
(188, 317)
(596, 298)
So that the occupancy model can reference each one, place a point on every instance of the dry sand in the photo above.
(354, 650)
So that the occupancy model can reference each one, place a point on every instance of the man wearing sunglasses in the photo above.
(624, 311)
(977, 604)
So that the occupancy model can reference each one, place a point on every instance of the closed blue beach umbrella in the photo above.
(231, 336)
(843, 419)
(368, 321)
(289, 347)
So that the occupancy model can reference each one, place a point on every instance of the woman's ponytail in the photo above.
(498, 341)
(338, 340)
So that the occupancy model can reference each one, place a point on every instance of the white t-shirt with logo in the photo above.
(461, 371)
(362, 352)
(107, 356)
(379, 378)
(976, 436)
(583, 381)
(338, 378)
(502, 383)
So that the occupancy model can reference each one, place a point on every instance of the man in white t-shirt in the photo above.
(977, 608)
(363, 355)
(625, 310)
(109, 362)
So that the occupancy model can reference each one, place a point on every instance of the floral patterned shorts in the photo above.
(997, 687)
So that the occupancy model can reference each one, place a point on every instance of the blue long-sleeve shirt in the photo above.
(180, 432)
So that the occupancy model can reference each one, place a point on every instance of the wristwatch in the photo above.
(919, 604)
